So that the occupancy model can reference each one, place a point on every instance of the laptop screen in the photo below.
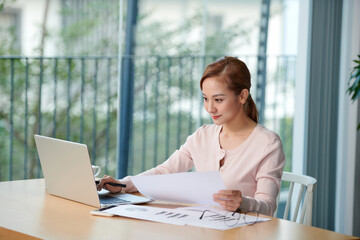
(67, 170)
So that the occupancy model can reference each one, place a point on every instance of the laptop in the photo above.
(68, 174)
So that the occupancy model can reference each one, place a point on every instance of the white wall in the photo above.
(347, 117)
(301, 88)
(347, 121)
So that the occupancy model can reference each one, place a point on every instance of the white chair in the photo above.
(304, 198)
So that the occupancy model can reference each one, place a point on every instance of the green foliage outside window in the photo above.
(354, 83)
(153, 79)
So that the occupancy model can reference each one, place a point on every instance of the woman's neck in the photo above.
(233, 135)
(239, 127)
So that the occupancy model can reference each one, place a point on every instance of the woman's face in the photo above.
(220, 102)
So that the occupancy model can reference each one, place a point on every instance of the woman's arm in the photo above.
(268, 179)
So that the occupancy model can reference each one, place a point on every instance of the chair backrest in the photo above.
(304, 197)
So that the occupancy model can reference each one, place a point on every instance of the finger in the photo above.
(229, 193)
(227, 202)
(230, 205)
(231, 208)
(113, 189)
(224, 197)
(227, 197)
(102, 184)
(108, 179)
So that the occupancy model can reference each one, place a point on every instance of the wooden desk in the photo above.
(28, 212)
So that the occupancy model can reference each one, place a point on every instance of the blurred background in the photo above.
(123, 78)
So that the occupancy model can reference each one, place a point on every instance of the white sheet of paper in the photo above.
(186, 187)
(213, 218)
(164, 215)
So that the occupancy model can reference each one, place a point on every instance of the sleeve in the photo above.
(180, 161)
(268, 179)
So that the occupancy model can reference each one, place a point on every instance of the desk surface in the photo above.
(28, 212)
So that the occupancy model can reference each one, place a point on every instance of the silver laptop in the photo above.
(68, 174)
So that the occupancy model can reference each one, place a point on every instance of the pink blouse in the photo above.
(254, 167)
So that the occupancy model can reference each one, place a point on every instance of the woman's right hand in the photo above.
(103, 184)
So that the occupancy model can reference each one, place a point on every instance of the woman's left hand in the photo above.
(230, 200)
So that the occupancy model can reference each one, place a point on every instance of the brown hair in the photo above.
(235, 74)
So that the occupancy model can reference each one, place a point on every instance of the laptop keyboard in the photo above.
(105, 199)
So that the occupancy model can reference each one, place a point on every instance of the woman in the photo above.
(249, 157)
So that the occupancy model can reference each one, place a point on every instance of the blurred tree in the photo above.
(75, 98)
